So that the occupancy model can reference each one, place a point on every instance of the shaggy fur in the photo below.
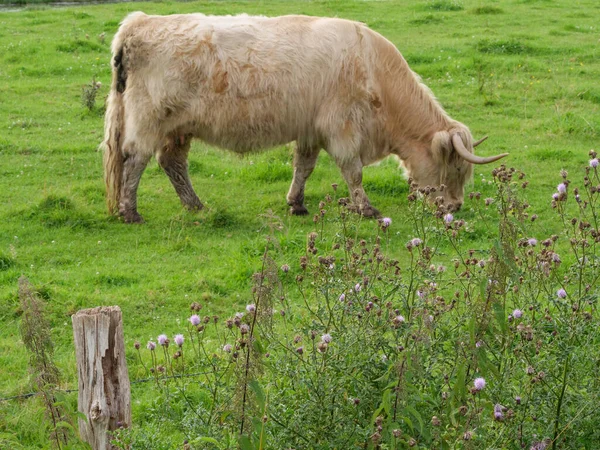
(246, 83)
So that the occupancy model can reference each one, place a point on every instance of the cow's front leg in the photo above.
(305, 159)
(352, 172)
(133, 167)
(173, 160)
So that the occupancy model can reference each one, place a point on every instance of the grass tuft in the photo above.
(504, 47)
(487, 9)
(445, 5)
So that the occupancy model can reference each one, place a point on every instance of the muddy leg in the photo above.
(305, 160)
(133, 167)
(173, 160)
(352, 172)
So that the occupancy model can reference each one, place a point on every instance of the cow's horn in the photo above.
(468, 156)
(476, 143)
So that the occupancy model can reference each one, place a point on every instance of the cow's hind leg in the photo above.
(173, 160)
(305, 159)
(133, 167)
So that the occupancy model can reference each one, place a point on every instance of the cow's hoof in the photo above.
(370, 212)
(298, 210)
(132, 217)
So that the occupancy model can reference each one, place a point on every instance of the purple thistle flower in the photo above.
(239, 315)
(479, 383)
(357, 288)
(342, 297)
(195, 320)
(151, 345)
(594, 163)
(227, 348)
(517, 313)
(300, 350)
(285, 268)
(326, 338)
(478, 344)
(416, 242)
(178, 339)
(386, 222)
(251, 308)
(244, 328)
(498, 412)
(562, 188)
(556, 258)
(448, 218)
(162, 339)
(532, 242)
(561, 293)
(555, 196)
(420, 293)
(399, 320)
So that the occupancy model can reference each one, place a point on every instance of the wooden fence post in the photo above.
(104, 390)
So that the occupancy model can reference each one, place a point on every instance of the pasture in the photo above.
(524, 72)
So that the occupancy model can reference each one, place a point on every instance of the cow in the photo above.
(246, 83)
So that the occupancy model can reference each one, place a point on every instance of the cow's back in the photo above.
(242, 82)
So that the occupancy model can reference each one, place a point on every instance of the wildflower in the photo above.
(555, 196)
(285, 268)
(555, 258)
(517, 313)
(561, 293)
(227, 348)
(357, 288)
(541, 445)
(416, 242)
(481, 263)
(479, 383)
(489, 201)
(326, 338)
(251, 308)
(562, 188)
(195, 320)
(518, 400)
(594, 163)
(448, 218)
(342, 297)
(178, 339)
(468, 435)
(498, 412)
(478, 344)
(244, 328)
(386, 222)
(300, 350)
(420, 293)
(322, 347)
(136, 345)
(151, 345)
(532, 242)
(398, 320)
(163, 340)
(239, 315)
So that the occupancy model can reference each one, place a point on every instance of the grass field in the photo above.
(523, 71)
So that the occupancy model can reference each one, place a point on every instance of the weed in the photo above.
(89, 92)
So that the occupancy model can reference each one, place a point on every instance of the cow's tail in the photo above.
(112, 145)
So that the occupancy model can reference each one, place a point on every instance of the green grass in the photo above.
(524, 72)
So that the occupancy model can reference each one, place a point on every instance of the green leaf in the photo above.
(411, 410)
(208, 440)
(259, 393)
(500, 316)
(245, 443)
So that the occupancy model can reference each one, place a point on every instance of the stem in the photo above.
(559, 405)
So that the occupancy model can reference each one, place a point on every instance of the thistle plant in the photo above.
(444, 347)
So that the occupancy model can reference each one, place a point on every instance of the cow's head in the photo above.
(446, 160)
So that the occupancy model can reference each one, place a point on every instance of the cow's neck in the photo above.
(413, 115)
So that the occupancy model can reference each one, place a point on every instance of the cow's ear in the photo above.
(441, 148)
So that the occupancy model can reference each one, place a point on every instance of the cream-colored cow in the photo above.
(246, 83)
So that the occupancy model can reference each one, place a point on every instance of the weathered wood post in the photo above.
(104, 390)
